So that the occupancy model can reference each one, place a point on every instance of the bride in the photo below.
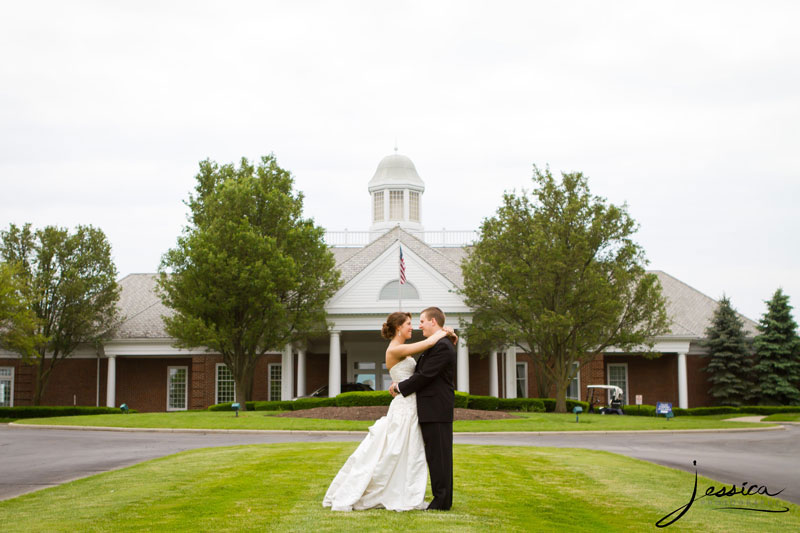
(388, 468)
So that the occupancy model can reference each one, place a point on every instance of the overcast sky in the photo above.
(687, 111)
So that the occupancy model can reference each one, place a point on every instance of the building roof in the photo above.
(690, 310)
(396, 170)
(141, 309)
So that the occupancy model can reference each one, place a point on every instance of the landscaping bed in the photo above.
(374, 412)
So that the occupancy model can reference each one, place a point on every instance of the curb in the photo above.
(333, 432)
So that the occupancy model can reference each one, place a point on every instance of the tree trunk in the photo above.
(561, 397)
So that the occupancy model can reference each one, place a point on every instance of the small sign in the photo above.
(638, 399)
(662, 408)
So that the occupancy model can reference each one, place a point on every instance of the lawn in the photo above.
(279, 487)
(266, 420)
(784, 417)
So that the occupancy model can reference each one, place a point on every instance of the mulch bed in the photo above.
(376, 411)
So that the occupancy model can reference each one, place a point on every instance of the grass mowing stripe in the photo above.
(268, 421)
(280, 487)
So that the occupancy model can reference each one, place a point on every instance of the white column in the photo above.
(334, 366)
(493, 374)
(683, 384)
(511, 372)
(462, 365)
(301, 372)
(111, 381)
(287, 373)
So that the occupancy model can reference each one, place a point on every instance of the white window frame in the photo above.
(625, 399)
(577, 380)
(269, 381)
(10, 379)
(413, 206)
(378, 207)
(185, 388)
(524, 378)
(216, 382)
(396, 209)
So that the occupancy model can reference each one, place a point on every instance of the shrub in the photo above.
(533, 405)
(45, 411)
(639, 410)
(310, 403)
(550, 404)
(484, 403)
(362, 398)
(462, 400)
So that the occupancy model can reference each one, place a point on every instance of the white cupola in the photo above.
(396, 191)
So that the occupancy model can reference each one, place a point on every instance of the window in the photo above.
(574, 389)
(226, 386)
(177, 387)
(365, 372)
(377, 206)
(6, 386)
(618, 375)
(395, 205)
(391, 291)
(413, 206)
(522, 380)
(275, 380)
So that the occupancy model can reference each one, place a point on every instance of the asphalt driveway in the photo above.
(40, 458)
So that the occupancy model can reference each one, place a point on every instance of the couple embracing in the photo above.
(388, 469)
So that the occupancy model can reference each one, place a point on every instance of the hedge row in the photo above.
(46, 411)
(353, 399)
(650, 410)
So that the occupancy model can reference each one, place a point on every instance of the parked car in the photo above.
(322, 392)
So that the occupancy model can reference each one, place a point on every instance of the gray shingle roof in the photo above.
(444, 264)
(142, 311)
(690, 310)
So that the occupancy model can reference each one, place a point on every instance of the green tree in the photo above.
(18, 323)
(248, 274)
(69, 281)
(558, 275)
(777, 354)
(730, 362)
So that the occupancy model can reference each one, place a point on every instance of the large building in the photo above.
(140, 365)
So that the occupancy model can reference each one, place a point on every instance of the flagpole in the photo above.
(400, 281)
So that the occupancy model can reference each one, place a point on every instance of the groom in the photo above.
(433, 382)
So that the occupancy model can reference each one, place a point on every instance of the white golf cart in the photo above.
(596, 394)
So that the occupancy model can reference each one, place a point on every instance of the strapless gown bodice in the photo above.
(388, 469)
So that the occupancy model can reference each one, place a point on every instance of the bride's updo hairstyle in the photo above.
(394, 321)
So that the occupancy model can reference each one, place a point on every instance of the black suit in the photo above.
(433, 382)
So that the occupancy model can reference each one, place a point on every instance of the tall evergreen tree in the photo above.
(777, 351)
(730, 364)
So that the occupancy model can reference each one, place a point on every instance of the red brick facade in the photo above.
(141, 382)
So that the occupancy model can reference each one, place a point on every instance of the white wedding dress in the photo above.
(388, 468)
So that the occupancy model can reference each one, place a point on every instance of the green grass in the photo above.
(279, 487)
(266, 420)
(784, 417)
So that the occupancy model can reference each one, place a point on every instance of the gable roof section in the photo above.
(446, 265)
(690, 310)
(141, 309)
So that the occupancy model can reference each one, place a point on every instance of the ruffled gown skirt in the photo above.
(388, 468)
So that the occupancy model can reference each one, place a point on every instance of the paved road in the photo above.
(40, 458)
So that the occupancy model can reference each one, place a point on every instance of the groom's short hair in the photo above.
(434, 313)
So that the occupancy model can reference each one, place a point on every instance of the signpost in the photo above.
(664, 408)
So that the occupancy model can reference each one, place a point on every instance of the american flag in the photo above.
(402, 268)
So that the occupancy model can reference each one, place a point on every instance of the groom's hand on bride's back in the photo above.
(393, 390)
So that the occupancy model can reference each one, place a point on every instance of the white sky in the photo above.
(687, 111)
